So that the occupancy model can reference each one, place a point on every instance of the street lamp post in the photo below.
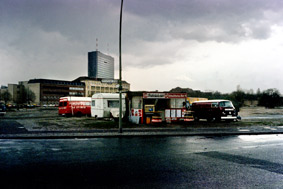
(120, 72)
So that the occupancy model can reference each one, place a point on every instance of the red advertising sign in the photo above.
(176, 95)
(137, 112)
(164, 95)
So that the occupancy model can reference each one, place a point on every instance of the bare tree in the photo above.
(6, 96)
(25, 95)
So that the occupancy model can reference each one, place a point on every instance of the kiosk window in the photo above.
(176, 102)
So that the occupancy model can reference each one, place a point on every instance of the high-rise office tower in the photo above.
(100, 65)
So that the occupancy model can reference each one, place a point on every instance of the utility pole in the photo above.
(120, 71)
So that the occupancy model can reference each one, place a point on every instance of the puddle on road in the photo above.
(261, 138)
(243, 130)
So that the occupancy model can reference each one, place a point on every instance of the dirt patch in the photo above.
(259, 111)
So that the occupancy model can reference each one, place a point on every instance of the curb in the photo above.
(61, 135)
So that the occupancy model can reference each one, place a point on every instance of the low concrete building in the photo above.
(35, 88)
(13, 90)
(96, 85)
(3, 89)
(48, 92)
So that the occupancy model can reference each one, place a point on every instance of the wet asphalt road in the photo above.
(152, 162)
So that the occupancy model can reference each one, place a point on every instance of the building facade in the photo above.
(13, 90)
(96, 85)
(48, 92)
(100, 65)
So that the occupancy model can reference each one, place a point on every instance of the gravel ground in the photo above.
(47, 119)
(247, 112)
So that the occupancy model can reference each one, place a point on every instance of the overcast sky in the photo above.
(210, 45)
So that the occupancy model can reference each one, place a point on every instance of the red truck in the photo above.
(74, 106)
(214, 110)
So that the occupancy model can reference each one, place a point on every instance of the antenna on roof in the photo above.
(96, 44)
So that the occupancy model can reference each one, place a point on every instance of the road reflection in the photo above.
(261, 138)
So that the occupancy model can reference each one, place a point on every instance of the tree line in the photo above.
(269, 98)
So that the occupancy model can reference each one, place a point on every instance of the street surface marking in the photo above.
(269, 128)
(55, 149)
(244, 130)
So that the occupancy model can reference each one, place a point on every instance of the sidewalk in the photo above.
(147, 132)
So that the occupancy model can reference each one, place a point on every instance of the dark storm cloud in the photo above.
(77, 20)
(86, 20)
(227, 21)
(46, 37)
(202, 20)
(150, 20)
(51, 38)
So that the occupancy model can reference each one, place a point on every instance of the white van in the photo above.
(106, 105)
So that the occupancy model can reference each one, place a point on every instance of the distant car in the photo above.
(2, 109)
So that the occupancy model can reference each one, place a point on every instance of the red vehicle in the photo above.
(214, 110)
(75, 106)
